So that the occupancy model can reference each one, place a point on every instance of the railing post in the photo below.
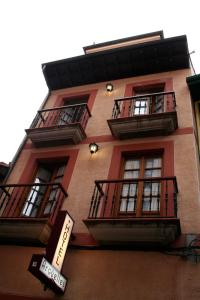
(175, 197)
(113, 200)
(116, 109)
(166, 198)
(93, 202)
(174, 100)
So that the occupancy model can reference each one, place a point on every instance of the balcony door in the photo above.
(42, 199)
(66, 116)
(148, 101)
(73, 111)
(141, 193)
(141, 106)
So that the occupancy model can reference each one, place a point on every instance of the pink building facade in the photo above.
(135, 202)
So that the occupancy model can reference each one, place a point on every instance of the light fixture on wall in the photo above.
(93, 147)
(109, 87)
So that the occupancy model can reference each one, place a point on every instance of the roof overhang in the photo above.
(194, 86)
(152, 57)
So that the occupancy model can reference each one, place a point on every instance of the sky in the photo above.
(33, 32)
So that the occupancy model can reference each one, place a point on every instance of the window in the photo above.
(74, 110)
(42, 197)
(148, 100)
(141, 196)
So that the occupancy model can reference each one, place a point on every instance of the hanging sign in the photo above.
(47, 268)
(62, 244)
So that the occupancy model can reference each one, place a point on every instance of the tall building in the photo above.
(115, 146)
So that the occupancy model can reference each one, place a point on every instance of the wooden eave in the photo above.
(153, 57)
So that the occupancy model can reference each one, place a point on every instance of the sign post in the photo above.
(47, 268)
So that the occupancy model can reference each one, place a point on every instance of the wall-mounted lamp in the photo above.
(109, 87)
(93, 147)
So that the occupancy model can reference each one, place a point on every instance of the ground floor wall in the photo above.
(103, 275)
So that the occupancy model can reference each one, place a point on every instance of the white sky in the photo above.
(33, 32)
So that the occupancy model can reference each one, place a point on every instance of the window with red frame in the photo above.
(141, 196)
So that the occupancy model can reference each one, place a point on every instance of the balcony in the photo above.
(27, 212)
(134, 212)
(144, 115)
(59, 126)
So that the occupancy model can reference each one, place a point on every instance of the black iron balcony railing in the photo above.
(37, 200)
(144, 105)
(134, 198)
(63, 115)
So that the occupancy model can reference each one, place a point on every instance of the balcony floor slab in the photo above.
(138, 231)
(144, 125)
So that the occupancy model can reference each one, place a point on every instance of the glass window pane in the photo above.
(155, 204)
(137, 111)
(133, 190)
(149, 163)
(152, 173)
(150, 204)
(132, 164)
(52, 195)
(24, 212)
(130, 206)
(136, 164)
(43, 175)
(27, 211)
(159, 104)
(125, 190)
(155, 188)
(143, 103)
(153, 163)
(123, 205)
(128, 164)
(131, 174)
(157, 163)
(129, 190)
(137, 103)
(146, 204)
(61, 170)
(147, 189)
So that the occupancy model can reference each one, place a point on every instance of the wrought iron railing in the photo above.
(144, 105)
(63, 115)
(134, 198)
(36, 200)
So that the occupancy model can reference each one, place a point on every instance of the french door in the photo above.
(141, 193)
(66, 116)
(144, 105)
(141, 106)
(41, 200)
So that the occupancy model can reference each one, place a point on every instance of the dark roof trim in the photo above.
(134, 60)
(194, 86)
(90, 55)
